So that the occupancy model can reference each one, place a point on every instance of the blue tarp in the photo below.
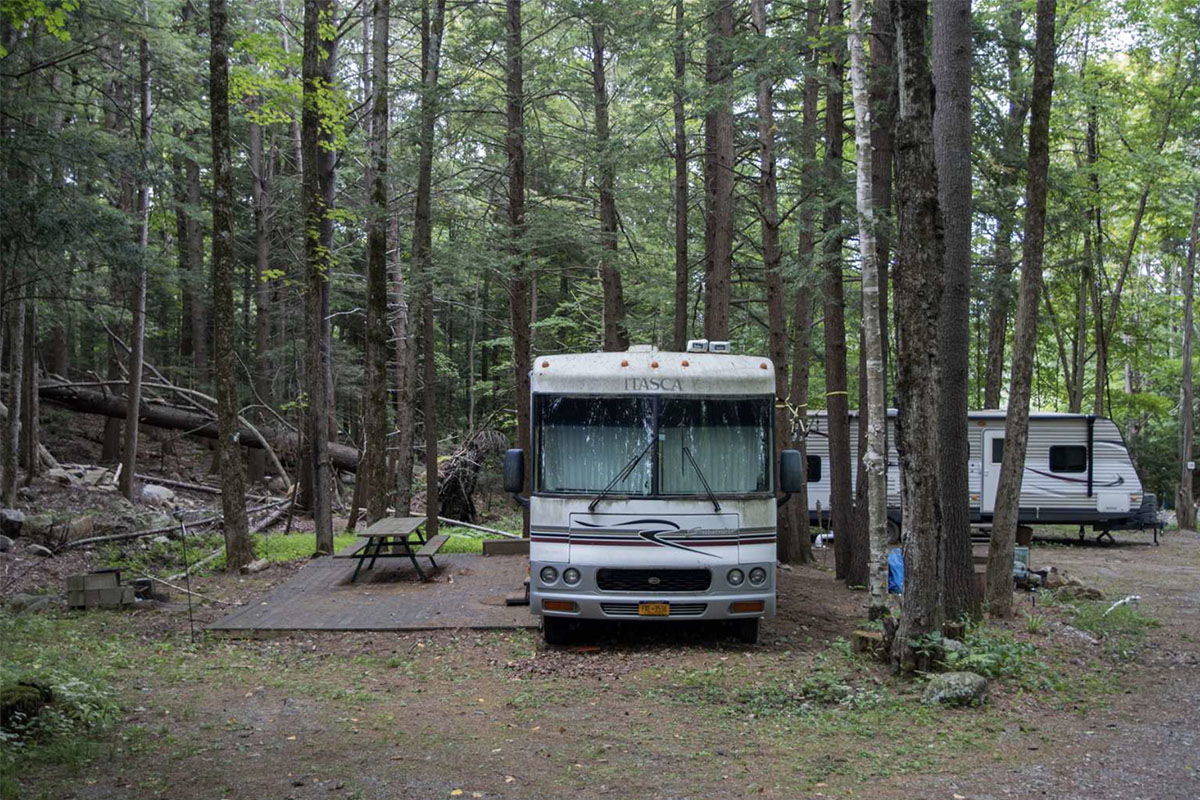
(896, 571)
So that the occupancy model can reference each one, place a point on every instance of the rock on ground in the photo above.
(38, 550)
(956, 689)
(11, 521)
(157, 495)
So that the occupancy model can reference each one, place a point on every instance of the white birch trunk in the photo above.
(875, 460)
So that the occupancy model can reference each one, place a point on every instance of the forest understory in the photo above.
(1083, 705)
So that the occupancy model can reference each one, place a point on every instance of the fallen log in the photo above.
(171, 417)
(193, 487)
(271, 518)
(458, 523)
(215, 519)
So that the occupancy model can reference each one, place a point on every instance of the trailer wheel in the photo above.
(747, 630)
(556, 630)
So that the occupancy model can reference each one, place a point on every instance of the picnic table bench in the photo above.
(389, 538)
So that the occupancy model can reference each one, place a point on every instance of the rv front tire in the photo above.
(556, 630)
(747, 630)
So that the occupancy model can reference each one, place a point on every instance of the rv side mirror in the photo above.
(514, 470)
(791, 471)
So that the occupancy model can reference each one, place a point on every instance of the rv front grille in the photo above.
(653, 580)
(631, 609)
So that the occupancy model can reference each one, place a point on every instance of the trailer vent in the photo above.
(631, 609)
(653, 580)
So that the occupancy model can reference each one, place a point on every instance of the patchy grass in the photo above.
(1122, 630)
(76, 669)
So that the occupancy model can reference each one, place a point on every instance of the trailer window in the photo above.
(813, 469)
(728, 441)
(584, 442)
(1068, 458)
(997, 451)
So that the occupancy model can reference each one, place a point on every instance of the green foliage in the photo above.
(78, 701)
(993, 653)
(51, 16)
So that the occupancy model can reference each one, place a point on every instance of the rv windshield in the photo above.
(583, 442)
(729, 441)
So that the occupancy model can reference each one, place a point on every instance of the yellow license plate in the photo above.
(654, 609)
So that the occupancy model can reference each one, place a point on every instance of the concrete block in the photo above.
(506, 547)
(93, 580)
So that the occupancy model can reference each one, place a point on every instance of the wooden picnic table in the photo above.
(389, 538)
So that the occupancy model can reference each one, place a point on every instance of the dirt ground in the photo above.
(666, 713)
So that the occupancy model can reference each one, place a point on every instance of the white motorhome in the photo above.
(1077, 469)
(653, 487)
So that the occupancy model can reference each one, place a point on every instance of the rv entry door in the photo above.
(993, 454)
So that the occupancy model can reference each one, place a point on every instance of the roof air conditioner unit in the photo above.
(719, 347)
(697, 346)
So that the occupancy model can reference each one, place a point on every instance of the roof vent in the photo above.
(719, 347)
(697, 345)
(640, 348)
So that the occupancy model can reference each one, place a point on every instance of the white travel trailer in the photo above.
(653, 487)
(1077, 470)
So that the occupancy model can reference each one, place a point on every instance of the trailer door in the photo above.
(993, 454)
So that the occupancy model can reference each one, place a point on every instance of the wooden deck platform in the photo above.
(467, 591)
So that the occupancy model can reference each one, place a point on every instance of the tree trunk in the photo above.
(682, 268)
(837, 401)
(794, 522)
(1000, 290)
(403, 369)
(519, 283)
(431, 49)
(373, 475)
(15, 322)
(952, 149)
(239, 549)
(318, 190)
(718, 172)
(875, 460)
(115, 91)
(1016, 428)
(260, 193)
(1186, 505)
(917, 283)
(137, 337)
(29, 409)
(1093, 156)
(772, 256)
(615, 334)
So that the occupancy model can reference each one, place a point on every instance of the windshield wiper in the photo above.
(622, 475)
(708, 489)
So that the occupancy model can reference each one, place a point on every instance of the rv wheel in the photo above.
(556, 630)
(747, 630)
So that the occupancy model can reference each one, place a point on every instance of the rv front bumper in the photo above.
(586, 600)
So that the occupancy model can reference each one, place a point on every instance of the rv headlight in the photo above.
(571, 576)
(735, 577)
(548, 574)
(758, 576)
